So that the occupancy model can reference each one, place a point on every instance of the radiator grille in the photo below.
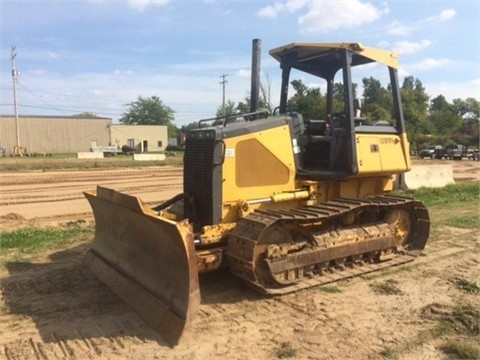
(198, 177)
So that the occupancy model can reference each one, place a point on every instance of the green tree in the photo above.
(149, 111)
(307, 101)
(264, 102)
(377, 101)
(443, 117)
(469, 110)
(244, 106)
(230, 109)
(339, 96)
(86, 114)
(415, 108)
(190, 126)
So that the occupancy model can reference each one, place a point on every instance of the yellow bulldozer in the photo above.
(282, 202)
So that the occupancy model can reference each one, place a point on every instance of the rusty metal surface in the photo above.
(248, 243)
(148, 261)
(324, 255)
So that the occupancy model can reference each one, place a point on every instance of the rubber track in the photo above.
(249, 229)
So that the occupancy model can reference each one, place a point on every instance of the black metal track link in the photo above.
(243, 239)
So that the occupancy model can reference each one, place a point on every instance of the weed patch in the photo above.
(286, 350)
(388, 353)
(467, 286)
(461, 350)
(388, 287)
(329, 289)
(463, 222)
(462, 319)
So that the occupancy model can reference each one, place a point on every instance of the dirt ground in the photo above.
(52, 308)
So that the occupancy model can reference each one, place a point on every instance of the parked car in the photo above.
(457, 152)
(432, 151)
(473, 154)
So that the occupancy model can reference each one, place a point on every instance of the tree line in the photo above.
(428, 121)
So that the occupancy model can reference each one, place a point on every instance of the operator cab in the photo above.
(327, 145)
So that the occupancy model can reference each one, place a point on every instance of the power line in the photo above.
(223, 83)
(40, 98)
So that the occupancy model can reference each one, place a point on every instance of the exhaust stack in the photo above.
(255, 77)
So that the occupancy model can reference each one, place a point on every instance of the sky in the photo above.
(97, 56)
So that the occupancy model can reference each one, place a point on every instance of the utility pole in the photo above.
(223, 83)
(15, 74)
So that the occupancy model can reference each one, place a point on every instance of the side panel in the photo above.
(257, 165)
(382, 153)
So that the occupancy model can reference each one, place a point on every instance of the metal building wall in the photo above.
(54, 134)
(152, 134)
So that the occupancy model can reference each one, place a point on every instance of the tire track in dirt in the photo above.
(42, 196)
(33, 199)
(57, 310)
(74, 315)
(65, 185)
(51, 308)
(35, 177)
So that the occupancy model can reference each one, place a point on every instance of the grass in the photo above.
(467, 286)
(454, 206)
(69, 161)
(388, 353)
(464, 222)
(388, 287)
(456, 326)
(461, 319)
(286, 350)
(465, 320)
(35, 239)
(450, 196)
(329, 289)
(442, 328)
(461, 350)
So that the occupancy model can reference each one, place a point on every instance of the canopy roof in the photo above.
(316, 58)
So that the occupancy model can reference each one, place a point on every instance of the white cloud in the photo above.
(429, 64)
(402, 72)
(120, 72)
(243, 73)
(138, 5)
(446, 15)
(141, 5)
(408, 47)
(37, 72)
(274, 10)
(452, 90)
(399, 29)
(96, 92)
(52, 55)
(325, 16)
(270, 11)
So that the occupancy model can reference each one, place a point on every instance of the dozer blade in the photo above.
(146, 260)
